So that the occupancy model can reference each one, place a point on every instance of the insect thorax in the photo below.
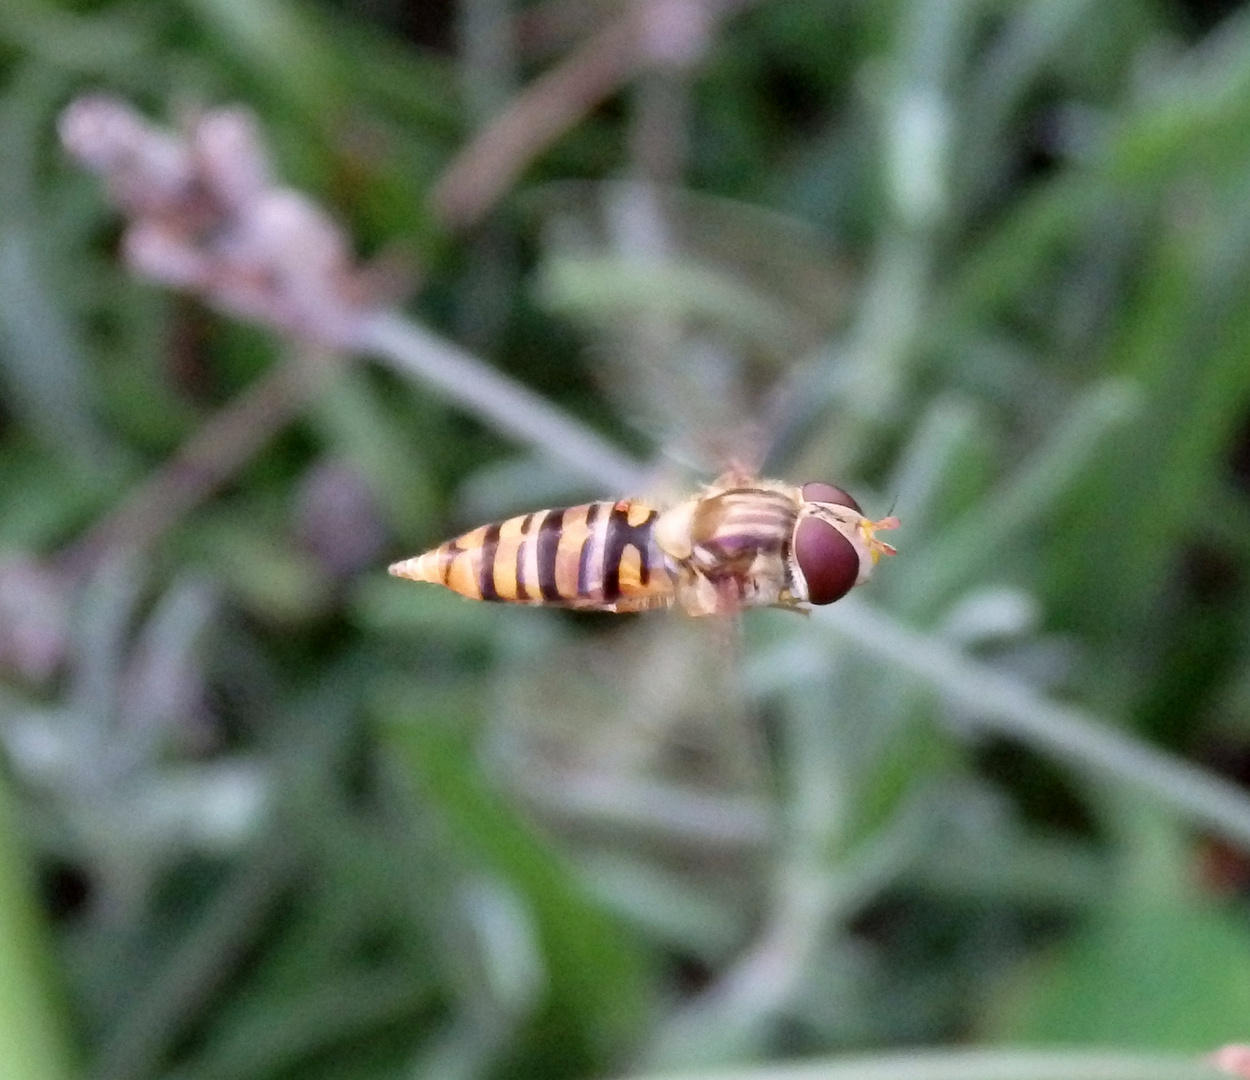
(729, 547)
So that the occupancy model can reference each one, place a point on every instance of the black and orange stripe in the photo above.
(597, 555)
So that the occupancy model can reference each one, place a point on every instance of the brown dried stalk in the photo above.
(651, 34)
(480, 174)
(219, 448)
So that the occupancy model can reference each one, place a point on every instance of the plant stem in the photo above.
(989, 1064)
(1008, 706)
(214, 453)
(500, 402)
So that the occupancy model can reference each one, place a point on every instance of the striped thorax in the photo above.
(740, 543)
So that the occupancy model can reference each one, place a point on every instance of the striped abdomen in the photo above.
(599, 555)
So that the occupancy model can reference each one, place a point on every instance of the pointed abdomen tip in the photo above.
(418, 568)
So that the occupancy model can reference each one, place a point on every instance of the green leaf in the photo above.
(1165, 976)
(595, 986)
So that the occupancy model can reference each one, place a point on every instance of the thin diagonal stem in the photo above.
(483, 171)
(1009, 706)
(988, 1064)
(500, 402)
(225, 443)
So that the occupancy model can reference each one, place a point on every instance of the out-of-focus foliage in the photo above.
(273, 815)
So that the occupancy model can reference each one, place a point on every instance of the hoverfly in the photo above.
(740, 543)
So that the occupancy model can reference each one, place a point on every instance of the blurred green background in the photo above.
(271, 814)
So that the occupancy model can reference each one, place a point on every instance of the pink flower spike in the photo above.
(1233, 1058)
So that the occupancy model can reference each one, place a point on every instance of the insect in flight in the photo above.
(741, 543)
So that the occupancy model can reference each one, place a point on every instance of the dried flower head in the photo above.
(205, 215)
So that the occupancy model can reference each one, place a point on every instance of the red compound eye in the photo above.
(827, 493)
(829, 561)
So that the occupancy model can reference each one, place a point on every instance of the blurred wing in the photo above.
(704, 306)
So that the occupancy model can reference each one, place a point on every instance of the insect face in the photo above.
(834, 547)
(827, 559)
